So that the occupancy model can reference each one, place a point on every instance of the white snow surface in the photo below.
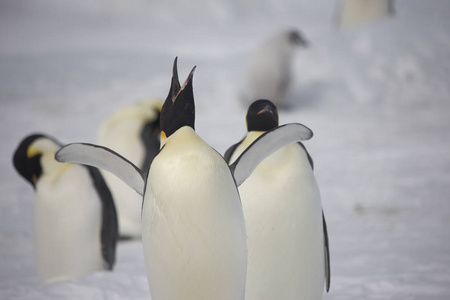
(376, 96)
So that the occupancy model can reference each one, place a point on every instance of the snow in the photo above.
(376, 97)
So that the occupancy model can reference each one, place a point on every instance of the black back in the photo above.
(109, 229)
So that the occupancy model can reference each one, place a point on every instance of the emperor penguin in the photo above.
(132, 131)
(193, 227)
(74, 219)
(286, 231)
(358, 12)
(269, 71)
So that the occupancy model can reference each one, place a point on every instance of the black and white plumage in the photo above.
(74, 218)
(193, 227)
(288, 255)
(269, 72)
(133, 131)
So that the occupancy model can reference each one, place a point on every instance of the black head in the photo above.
(296, 38)
(179, 108)
(262, 115)
(29, 167)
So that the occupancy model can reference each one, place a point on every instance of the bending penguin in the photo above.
(74, 219)
(287, 236)
(133, 132)
(269, 71)
(193, 227)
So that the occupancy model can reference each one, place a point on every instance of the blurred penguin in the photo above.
(286, 231)
(133, 132)
(75, 222)
(269, 70)
(357, 12)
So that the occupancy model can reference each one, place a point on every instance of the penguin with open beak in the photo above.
(193, 227)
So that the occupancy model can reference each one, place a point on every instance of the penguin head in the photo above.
(27, 158)
(296, 38)
(178, 109)
(262, 115)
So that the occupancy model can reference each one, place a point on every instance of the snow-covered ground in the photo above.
(376, 96)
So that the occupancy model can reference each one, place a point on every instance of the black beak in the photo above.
(297, 38)
(175, 84)
(179, 108)
(187, 85)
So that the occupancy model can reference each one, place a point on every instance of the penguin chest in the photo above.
(282, 209)
(193, 227)
(67, 222)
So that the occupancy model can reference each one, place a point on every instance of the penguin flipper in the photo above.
(266, 144)
(106, 159)
(327, 254)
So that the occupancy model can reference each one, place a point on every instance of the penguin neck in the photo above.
(51, 168)
(249, 138)
(181, 137)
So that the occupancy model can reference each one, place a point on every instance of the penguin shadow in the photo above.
(312, 95)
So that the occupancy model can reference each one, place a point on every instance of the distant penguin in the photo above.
(133, 132)
(358, 12)
(269, 70)
(193, 227)
(286, 231)
(74, 219)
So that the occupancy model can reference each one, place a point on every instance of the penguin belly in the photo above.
(193, 226)
(67, 224)
(283, 215)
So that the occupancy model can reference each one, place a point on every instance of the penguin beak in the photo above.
(303, 42)
(188, 81)
(175, 88)
(264, 110)
(179, 107)
(175, 84)
(34, 179)
(300, 40)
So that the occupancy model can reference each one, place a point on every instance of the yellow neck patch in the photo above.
(33, 151)
(163, 138)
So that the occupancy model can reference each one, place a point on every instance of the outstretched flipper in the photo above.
(105, 159)
(266, 144)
